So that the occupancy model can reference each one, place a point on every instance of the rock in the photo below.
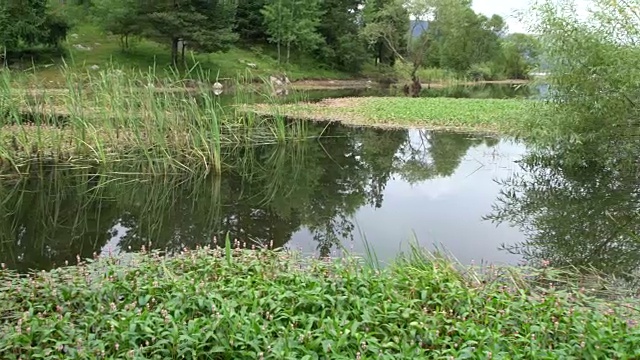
(275, 81)
(281, 92)
(82, 47)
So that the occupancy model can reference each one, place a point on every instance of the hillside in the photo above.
(89, 49)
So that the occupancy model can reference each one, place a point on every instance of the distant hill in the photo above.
(418, 27)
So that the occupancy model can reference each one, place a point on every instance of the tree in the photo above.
(4, 33)
(395, 20)
(292, 23)
(519, 55)
(593, 67)
(204, 25)
(120, 17)
(249, 21)
(411, 48)
(461, 37)
(340, 26)
(29, 22)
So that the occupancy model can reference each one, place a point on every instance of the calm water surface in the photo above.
(479, 198)
(439, 201)
(386, 185)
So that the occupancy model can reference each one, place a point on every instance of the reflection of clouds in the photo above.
(443, 211)
(112, 247)
(432, 189)
(497, 161)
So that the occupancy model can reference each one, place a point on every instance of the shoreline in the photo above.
(309, 85)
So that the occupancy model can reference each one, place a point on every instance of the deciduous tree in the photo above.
(120, 17)
(292, 23)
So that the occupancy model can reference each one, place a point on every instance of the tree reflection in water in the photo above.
(578, 205)
(265, 194)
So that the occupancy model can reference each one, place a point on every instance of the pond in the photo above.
(316, 196)
(478, 198)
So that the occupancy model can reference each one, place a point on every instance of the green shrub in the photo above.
(481, 72)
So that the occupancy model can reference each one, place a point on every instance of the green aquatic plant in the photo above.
(479, 115)
(233, 302)
(109, 116)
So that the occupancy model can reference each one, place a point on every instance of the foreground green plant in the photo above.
(260, 304)
(486, 115)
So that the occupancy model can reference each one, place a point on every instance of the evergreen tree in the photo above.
(249, 21)
(204, 25)
(29, 22)
(340, 27)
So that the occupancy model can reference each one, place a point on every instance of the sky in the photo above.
(508, 10)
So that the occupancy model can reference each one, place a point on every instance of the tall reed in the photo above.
(169, 121)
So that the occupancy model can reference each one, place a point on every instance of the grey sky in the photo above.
(508, 8)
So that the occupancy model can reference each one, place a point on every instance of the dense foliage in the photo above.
(593, 65)
(343, 34)
(241, 304)
(577, 198)
(29, 23)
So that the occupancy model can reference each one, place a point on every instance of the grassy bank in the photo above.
(242, 304)
(486, 115)
(87, 47)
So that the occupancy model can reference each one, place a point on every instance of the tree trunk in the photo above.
(416, 86)
(288, 52)
(183, 48)
(174, 51)
(279, 58)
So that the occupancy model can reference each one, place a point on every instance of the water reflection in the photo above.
(316, 193)
(578, 205)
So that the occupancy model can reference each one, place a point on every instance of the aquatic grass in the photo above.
(111, 115)
(232, 302)
(485, 115)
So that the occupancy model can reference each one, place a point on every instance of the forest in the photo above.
(389, 37)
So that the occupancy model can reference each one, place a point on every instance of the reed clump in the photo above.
(109, 116)
(236, 303)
